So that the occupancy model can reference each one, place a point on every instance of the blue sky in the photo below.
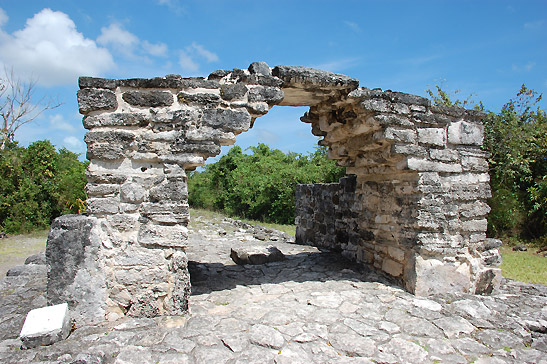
(485, 48)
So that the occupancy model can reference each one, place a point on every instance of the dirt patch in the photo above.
(15, 249)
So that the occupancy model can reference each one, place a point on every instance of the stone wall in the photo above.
(419, 211)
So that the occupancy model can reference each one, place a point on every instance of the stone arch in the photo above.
(415, 209)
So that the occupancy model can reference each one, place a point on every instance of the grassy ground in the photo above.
(524, 266)
(16, 248)
(289, 229)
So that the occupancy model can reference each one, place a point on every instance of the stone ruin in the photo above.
(413, 205)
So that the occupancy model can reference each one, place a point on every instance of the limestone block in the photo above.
(91, 99)
(95, 82)
(474, 209)
(206, 149)
(103, 205)
(474, 164)
(260, 68)
(233, 92)
(427, 276)
(400, 135)
(445, 155)
(463, 132)
(188, 161)
(200, 98)
(152, 235)
(422, 165)
(393, 120)
(169, 81)
(396, 253)
(270, 95)
(313, 77)
(392, 267)
(206, 133)
(432, 136)
(93, 189)
(75, 270)
(258, 254)
(105, 151)
(148, 98)
(132, 193)
(235, 121)
(171, 191)
(378, 105)
(123, 222)
(475, 225)
(409, 149)
(45, 326)
(115, 119)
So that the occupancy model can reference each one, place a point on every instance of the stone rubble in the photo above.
(312, 307)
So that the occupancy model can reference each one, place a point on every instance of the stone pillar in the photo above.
(422, 186)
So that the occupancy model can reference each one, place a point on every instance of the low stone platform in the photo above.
(313, 307)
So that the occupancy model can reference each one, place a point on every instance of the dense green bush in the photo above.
(37, 184)
(260, 185)
(517, 141)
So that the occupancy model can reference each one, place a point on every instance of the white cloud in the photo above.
(118, 38)
(3, 17)
(158, 49)
(58, 122)
(73, 144)
(189, 57)
(128, 44)
(173, 5)
(526, 68)
(187, 63)
(202, 52)
(51, 49)
(338, 65)
(534, 25)
(267, 136)
(353, 26)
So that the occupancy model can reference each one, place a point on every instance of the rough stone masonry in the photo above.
(414, 208)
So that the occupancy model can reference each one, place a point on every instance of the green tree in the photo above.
(517, 141)
(37, 184)
(260, 185)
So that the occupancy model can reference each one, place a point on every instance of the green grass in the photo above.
(524, 266)
(289, 229)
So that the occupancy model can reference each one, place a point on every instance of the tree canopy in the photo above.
(260, 185)
(38, 184)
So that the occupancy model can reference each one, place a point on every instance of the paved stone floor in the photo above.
(313, 307)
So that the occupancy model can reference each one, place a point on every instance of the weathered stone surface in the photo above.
(230, 120)
(313, 77)
(462, 132)
(266, 336)
(163, 235)
(39, 259)
(148, 98)
(91, 99)
(45, 326)
(256, 254)
(93, 82)
(270, 95)
(260, 68)
(231, 92)
(75, 268)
